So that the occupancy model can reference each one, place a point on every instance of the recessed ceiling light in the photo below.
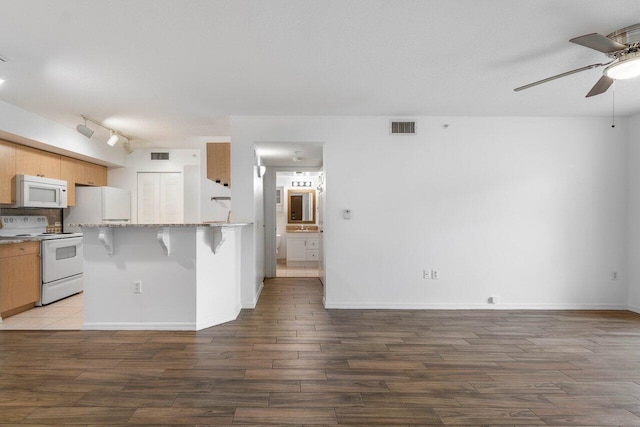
(1, 81)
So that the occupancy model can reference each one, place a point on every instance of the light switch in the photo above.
(346, 214)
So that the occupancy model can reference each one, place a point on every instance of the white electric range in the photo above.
(60, 255)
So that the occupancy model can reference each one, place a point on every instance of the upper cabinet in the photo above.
(20, 159)
(31, 161)
(7, 172)
(219, 162)
(78, 172)
(95, 175)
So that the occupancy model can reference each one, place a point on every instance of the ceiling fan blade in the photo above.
(598, 42)
(557, 76)
(601, 86)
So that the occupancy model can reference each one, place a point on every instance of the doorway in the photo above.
(297, 249)
(286, 166)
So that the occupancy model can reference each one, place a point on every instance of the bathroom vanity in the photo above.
(303, 246)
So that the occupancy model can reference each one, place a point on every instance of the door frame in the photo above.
(270, 213)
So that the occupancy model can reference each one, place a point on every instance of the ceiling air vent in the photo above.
(159, 156)
(403, 128)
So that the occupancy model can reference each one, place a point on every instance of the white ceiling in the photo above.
(171, 72)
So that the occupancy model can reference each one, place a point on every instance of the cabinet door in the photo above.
(7, 172)
(30, 161)
(70, 171)
(296, 249)
(19, 281)
(219, 162)
(95, 175)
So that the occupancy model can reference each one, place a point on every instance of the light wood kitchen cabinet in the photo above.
(95, 175)
(219, 162)
(7, 172)
(19, 277)
(31, 161)
(78, 172)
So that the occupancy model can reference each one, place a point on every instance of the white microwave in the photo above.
(39, 192)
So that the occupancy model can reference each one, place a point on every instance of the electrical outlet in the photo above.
(435, 275)
(493, 300)
(137, 287)
(614, 275)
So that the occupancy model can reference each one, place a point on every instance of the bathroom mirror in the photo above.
(302, 206)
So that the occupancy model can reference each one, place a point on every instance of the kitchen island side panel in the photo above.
(218, 278)
(167, 300)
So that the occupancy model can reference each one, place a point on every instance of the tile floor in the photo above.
(283, 271)
(64, 314)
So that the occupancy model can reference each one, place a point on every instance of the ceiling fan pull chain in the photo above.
(613, 106)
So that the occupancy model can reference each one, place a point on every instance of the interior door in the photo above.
(160, 198)
(148, 198)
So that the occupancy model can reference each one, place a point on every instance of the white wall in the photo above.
(180, 160)
(633, 234)
(532, 210)
(18, 125)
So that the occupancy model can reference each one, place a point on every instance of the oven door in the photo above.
(61, 258)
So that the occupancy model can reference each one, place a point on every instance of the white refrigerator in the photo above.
(98, 205)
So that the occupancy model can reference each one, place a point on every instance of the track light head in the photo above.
(83, 129)
(113, 139)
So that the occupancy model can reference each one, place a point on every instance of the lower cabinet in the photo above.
(302, 248)
(19, 277)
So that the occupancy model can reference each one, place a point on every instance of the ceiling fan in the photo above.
(622, 47)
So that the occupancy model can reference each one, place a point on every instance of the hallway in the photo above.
(292, 362)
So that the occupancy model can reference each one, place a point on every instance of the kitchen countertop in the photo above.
(201, 224)
(13, 240)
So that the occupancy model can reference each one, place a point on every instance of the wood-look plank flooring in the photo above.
(291, 362)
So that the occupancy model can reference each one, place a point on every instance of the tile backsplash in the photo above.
(53, 215)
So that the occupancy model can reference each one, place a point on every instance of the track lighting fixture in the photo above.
(83, 129)
(114, 138)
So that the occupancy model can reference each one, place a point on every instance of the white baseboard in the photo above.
(139, 326)
(633, 308)
(218, 319)
(252, 304)
(471, 306)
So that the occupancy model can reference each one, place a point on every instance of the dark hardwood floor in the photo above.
(290, 361)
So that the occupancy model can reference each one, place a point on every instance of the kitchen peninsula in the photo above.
(161, 276)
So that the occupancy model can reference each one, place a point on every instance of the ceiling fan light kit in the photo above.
(623, 49)
(627, 67)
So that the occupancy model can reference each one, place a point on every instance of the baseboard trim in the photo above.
(633, 308)
(139, 326)
(472, 306)
(252, 304)
(218, 319)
